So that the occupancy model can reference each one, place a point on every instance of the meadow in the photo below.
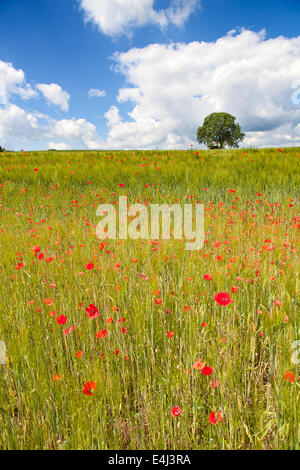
(126, 344)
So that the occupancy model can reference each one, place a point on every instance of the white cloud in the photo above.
(95, 92)
(17, 125)
(19, 128)
(58, 146)
(114, 17)
(55, 95)
(78, 130)
(180, 11)
(12, 82)
(173, 87)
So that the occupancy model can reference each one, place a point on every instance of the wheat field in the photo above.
(124, 344)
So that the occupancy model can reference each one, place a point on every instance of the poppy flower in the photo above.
(269, 247)
(207, 277)
(289, 376)
(213, 419)
(170, 334)
(88, 387)
(101, 334)
(158, 301)
(207, 370)
(199, 365)
(92, 311)
(214, 383)
(79, 354)
(176, 411)
(90, 266)
(223, 298)
(61, 320)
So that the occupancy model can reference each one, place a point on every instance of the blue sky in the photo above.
(49, 42)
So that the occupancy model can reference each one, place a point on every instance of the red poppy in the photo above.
(223, 298)
(199, 365)
(176, 411)
(88, 387)
(61, 320)
(269, 247)
(101, 334)
(214, 383)
(92, 311)
(289, 376)
(213, 419)
(207, 370)
(90, 266)
(207, 277)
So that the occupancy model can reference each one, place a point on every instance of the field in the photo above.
(78, 380)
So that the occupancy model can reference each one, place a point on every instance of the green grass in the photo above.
(250, 352)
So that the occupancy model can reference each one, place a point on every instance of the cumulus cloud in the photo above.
(19, 125)
(19, 128)
(95, 92)
(78, 130)
(58, 146)
(54, 94)
(114, 17)
(12, 82)
(173, 87)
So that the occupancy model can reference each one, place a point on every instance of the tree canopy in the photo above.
(220, 130)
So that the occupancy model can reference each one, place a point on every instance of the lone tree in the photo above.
(2, 149)
(219, 130)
